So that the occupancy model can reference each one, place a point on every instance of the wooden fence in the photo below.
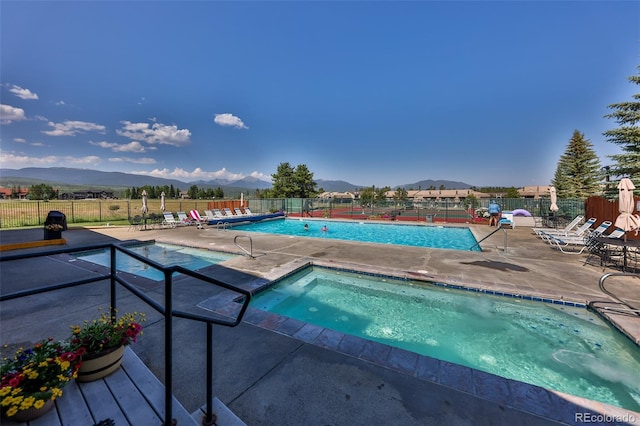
(604, 209)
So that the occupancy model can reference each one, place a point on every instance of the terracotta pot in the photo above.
(97, 366)
(31, 413)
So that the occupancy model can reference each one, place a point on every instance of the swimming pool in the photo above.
(565, 348)
(165, 254)
(443, 237)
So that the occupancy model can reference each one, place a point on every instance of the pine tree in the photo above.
(578, 171)
(627, 136)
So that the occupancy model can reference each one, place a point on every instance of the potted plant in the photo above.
(34, 378)
(102, 342)
(53, 231)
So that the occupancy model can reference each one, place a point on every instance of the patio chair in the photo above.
(169, 220)
(197, 219)
(247, 211)
(135, 222)
(227, 211)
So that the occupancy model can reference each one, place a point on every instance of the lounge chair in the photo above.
(184, 219)
(247, 211)
(218, 214)
(239, 212)
(227, 211)
(570, 226)
(169, 220)
(197, 219)
(581, 231)
(577, 244)
(209, 214)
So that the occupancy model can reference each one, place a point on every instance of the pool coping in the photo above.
(547, 403)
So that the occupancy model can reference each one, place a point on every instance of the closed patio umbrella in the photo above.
(162, 206)
(144, 208)
(554, 199)
(626, 220)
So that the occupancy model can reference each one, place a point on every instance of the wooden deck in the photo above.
(131, 395)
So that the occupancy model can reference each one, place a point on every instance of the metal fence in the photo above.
(14, 214)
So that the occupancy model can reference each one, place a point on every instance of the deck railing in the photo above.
(166, 310)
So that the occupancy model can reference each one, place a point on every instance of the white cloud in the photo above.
(156, 133)
(20, 140)
(144, 160)
(127, 147)
(51, 160)
(23, 93)
(70, 128)
(260, 176)
(229, 120)
(195, 174)
(9, 114)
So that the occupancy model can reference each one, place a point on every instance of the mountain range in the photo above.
(57, 176)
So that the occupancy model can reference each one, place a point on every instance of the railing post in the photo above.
(168, 348)
(210, 418)
(112, 279)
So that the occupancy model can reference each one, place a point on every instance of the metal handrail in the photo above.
(248, 252)
(167, 310)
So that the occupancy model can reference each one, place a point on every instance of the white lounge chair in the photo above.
(183, 219)
(581, 231)
(577, 244)
(218, 214)
(247, 211)
(239, 212)
(169, 220)
(227, 211)
(570, 226)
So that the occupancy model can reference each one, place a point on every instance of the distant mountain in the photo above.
(62, 175)
(57, 176)
(335, 185)
(426, 184)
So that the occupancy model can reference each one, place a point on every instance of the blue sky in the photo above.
(370, 92)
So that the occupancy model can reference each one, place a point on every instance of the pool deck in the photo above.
(270, 370)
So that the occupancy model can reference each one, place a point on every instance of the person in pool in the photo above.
(324, 229)
(306, 226)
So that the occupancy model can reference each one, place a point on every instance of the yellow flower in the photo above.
(16, 391)
(32, 374)
(6, 401)
(27, 403)
(18, 399)
(5, 391)
(39, 404)
(12, 411)
(43, 364)
(55, 393)
(43, 389)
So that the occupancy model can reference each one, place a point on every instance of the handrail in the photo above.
(478, 243)
(604, 277)
(248, 252)
(167, 310)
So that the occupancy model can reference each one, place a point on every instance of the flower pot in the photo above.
(31, 413)
(97, 366)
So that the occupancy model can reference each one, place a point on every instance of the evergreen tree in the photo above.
(289, 182)
(303, 179)
(627, 137)
(578, 172)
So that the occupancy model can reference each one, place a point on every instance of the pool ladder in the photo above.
(248, 252)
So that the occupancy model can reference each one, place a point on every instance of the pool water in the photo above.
(569, 349)
(443, 237)
(165, 254)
